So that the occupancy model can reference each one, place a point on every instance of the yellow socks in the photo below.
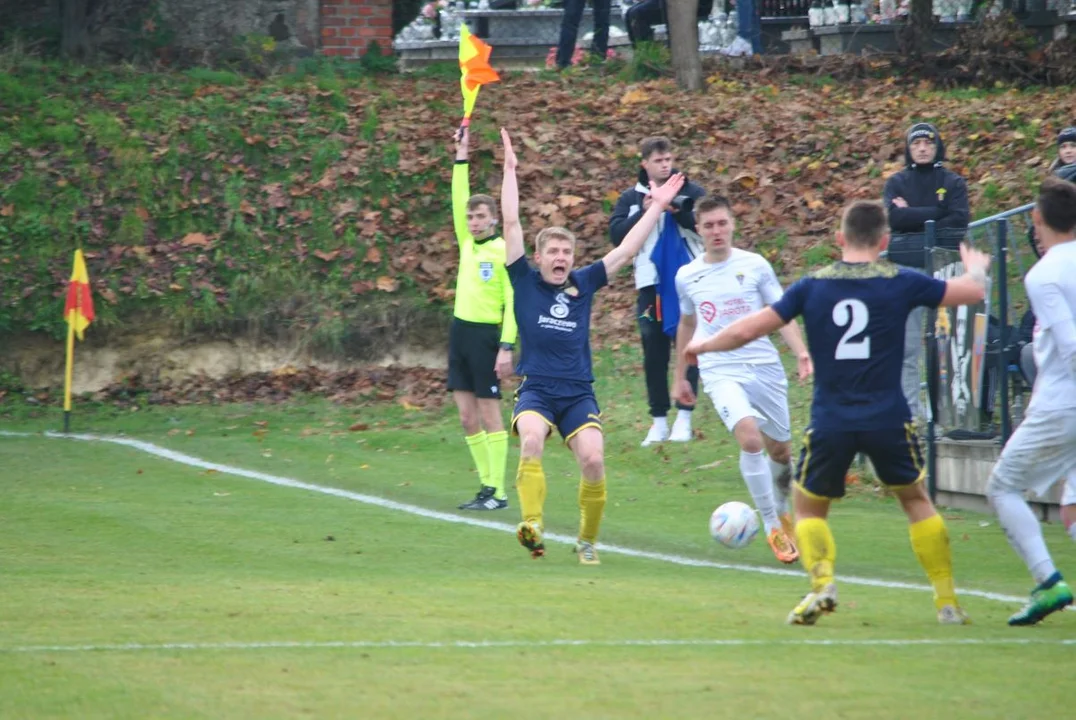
(497, 445)
(478, 444)
(930, 541)
(818, 551)
(530, 484)
(591, 506)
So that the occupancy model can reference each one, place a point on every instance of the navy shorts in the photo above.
(827, 455)
(567, 405)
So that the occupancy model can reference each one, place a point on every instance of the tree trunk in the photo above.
(75, 32)
(684, 39)
(921, 26)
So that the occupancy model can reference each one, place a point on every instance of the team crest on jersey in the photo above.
(708, 311)
(739, 278)
(485, 271)
(559, 309)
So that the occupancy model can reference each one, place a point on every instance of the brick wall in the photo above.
(349, 26)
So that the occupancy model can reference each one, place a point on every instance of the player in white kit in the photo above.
(1043, 449)
(748, 385)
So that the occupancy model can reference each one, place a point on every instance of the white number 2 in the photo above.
(853, 314)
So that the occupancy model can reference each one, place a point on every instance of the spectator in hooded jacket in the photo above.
(924, 190)
(656, 167)
(1065, 165)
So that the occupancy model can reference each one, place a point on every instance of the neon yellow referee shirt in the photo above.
(483, 290)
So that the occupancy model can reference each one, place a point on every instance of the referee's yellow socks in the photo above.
(930, 541)
(530, 484)
(818, 551)
(591, 506)
(497, 444)
(478, 444)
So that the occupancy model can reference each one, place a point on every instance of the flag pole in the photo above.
(68, 373)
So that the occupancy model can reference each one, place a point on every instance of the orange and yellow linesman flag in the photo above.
(475, 70)
(78, 311)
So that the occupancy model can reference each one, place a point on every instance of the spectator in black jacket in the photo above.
(924, 190)
(656, 162)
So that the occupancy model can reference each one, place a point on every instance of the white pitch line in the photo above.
(192, 461)
(532, 644)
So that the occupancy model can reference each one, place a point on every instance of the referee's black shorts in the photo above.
(472, 354)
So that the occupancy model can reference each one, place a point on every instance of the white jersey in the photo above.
(1051, 288)
(718, 294)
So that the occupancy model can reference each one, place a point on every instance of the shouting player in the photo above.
(552, 305)
(748, 385)
(854, 312)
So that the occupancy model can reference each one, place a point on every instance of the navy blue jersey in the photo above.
(554, 321)
(854, 315)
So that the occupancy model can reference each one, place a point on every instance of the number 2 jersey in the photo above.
(718, 294)
(854, 315)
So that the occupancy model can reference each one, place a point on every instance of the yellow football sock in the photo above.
(818, 551)
(497, 444)
(591, 506)
(530, 484)
(930, 541)
(480, 453)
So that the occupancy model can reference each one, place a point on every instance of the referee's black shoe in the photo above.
(485, 500)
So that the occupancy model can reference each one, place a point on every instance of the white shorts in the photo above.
(759, 391)
(1040, 452)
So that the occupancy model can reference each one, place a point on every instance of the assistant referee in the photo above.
(482, 335)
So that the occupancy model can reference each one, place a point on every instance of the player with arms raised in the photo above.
(552, 308)
(854, 312)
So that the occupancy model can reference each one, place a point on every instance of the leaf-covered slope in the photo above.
(207, 199)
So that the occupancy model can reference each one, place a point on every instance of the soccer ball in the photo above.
(734, 525)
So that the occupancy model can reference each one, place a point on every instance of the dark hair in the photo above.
(864, 223)
(1057, 204)
(476, 201)
(709, 203)
(656, 144)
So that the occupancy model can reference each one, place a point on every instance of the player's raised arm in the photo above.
(513, 228)
(636, 237)
(970, 288)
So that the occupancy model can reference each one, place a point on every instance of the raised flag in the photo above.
(475, 70)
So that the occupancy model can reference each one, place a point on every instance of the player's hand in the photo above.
(900, 202)
(683, 392)
(647, 202)
(510, 161)
(503, 364)
(670, 189)
(975, 261)
(805, 366)
(462, 136)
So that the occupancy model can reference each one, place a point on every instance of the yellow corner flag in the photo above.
(475, 70)
(78, 312)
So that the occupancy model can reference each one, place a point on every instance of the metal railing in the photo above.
(997, 234)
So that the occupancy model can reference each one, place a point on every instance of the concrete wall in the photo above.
(342, 28)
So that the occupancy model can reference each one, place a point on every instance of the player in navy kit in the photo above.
(854, 312)
(552, 308)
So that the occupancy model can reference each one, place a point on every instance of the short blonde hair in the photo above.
(553, 233)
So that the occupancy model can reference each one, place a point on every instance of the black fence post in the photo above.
(1003, 313)
(932, 369)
